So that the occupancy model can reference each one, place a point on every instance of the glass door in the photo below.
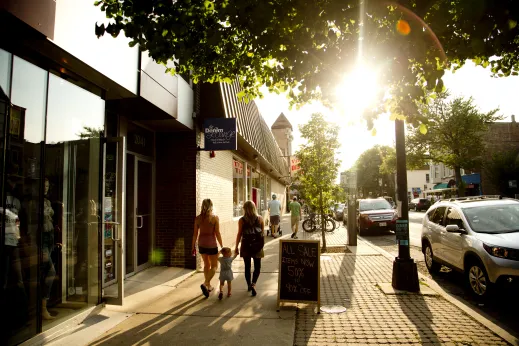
(139, 218)
(143, 210)
(114, 222)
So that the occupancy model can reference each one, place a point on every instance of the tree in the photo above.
(339, 195)
(453, 134)
(90, 132)
(318, 164)
(501, 168)
(375, 171)
(304, 47)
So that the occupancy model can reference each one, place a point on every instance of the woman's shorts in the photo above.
(208, 250)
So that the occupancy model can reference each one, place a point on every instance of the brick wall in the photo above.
(175, 197)
(501, 136)
(215, 181)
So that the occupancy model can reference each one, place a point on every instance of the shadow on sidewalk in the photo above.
(337, 288)
(172, 325)
(415, 307)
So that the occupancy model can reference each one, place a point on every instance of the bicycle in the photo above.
(314, 221)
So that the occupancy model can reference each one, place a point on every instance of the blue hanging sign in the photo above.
(220, 134)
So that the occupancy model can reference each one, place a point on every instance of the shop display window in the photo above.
(238, 187)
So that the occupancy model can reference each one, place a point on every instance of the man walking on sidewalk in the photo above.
(295, 216)
(275, 215)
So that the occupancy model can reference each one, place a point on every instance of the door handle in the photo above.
(114, 224)
(139, 217)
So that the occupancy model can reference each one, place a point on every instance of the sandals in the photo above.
(205, 291)
(228, 294)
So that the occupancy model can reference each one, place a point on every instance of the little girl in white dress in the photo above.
(226, 270)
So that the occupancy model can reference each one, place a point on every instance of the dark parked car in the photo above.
(419, 204)
(375, 214)
(338, 211)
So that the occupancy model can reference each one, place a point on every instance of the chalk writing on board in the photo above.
(299, 271)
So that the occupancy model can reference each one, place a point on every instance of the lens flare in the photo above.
(403, 27)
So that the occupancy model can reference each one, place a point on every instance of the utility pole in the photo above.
(405, 273)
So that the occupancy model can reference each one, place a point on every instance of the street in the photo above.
(501, 306)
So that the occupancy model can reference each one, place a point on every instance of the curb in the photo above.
(487, 321)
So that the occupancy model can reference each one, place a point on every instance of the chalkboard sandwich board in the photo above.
(299, 271)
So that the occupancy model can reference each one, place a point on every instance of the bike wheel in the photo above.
(330, 225)
(309, 225)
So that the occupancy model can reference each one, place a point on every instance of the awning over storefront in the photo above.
(440, 186)
(471, 178)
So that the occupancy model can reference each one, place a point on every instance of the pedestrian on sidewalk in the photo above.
(252, 237)
(226, 273)
(207, 231)
(295, 216)
(275, 212)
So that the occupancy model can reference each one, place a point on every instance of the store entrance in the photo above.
(139, 216)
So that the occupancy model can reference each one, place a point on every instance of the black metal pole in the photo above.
(405, 273)
(401, 184)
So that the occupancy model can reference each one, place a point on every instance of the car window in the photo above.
(374, 204)
(437, 217)
(453, 217)
(423, 200)
(501, 218)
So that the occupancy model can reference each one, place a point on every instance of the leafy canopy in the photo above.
(374, 167)
(304, 47)
(454, 136)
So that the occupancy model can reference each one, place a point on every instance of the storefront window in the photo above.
(269, 189)
(255, 190)
(75, 124)
(5, 71)
(249, 183)
(21, 208)
(238, 188)
(263, 201)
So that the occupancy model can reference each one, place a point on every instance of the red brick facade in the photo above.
(176, 197)
(501, 136)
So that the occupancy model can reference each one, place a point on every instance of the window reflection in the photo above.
(22, 203)
(75, 123)
(5, 70)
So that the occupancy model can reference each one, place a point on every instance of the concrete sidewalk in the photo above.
(352, 279)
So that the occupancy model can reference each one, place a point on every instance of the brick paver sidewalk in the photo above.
(373, 317)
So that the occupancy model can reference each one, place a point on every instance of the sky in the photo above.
(470, 81)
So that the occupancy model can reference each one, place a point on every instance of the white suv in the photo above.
(478, 236)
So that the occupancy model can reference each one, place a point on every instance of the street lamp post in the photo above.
(405, 273)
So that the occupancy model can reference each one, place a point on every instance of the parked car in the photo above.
(478, 237)
(419, 204)
(375, 214)
(338, 211)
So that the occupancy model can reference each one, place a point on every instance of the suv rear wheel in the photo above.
(477, 279)
(433, 266)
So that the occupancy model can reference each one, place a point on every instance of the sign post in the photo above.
(299, 272)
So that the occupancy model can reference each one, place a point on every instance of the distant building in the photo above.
(501, 136)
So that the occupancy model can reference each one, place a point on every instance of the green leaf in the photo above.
(164, 32)
(423, 129)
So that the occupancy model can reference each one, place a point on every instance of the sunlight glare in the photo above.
(357, 92)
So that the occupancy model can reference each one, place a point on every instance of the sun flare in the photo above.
(357, 91)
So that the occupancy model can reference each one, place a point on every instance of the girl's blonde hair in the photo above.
(207, 208)
(251, 213)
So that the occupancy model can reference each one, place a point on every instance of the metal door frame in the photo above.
(138, 157)
(119, 225)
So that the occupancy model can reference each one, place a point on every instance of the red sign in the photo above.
(294, 164)
(238, 167)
